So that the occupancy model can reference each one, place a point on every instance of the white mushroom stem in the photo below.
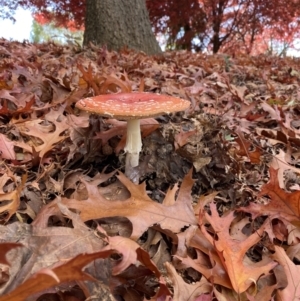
(133, 143)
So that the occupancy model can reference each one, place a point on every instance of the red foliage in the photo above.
(41, 18)
(64, 13)
(180, 20)
(232, 26)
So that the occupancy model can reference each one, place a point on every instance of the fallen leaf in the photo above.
(139, 208)
(181, 138)
(292, 291)
(207, 261)
(131, 252)
(241, 270)
(50, 132)
(281, 164)
(13, 200)
(7, 148)
(6, 247)
(184, 291)
(244, 149)
(282, 204)
(47, 278)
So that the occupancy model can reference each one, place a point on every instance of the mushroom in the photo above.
(132, 107)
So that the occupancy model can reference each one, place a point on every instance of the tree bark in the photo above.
(118, 24)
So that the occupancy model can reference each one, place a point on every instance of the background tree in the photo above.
(114, 23)
(226, 25)
(7, 9)
(232, 26)
(181, 22)
(119, 23)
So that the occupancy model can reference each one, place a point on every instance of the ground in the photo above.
(216, 213)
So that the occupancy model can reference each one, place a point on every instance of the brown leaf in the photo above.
(239, 92)
(13, 199)
(50, 132)
(131, 252)
(49, 246)
(139, 208)
(292, 291)
(245, 145)
(89, 77)
(184, 291)
(7, 148)
(181, 139)
(47, 278)
(281, 163)
(112, 83)
(6, 247)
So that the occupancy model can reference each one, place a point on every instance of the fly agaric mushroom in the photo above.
(132, 107)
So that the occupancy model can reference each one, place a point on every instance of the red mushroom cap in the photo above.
(135, 105)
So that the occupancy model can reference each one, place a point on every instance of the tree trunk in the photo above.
(118, 24)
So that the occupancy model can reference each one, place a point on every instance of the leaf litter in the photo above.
(216, 213)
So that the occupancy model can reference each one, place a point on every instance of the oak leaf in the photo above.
(239, 92)
(131, 252)
(13, 198)
(282, 162)
(139, 208)
(47, 278)
(207, 261)
(47, 246)
(185, 291)
(232, 252)
(50, 132)
(282, 204)
(181, 138)
(244, 149)
(7, 148)
(292, 291)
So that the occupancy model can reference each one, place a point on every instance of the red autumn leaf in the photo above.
(88, 77)
(282, 204)
(212, 268)
(241, 270)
